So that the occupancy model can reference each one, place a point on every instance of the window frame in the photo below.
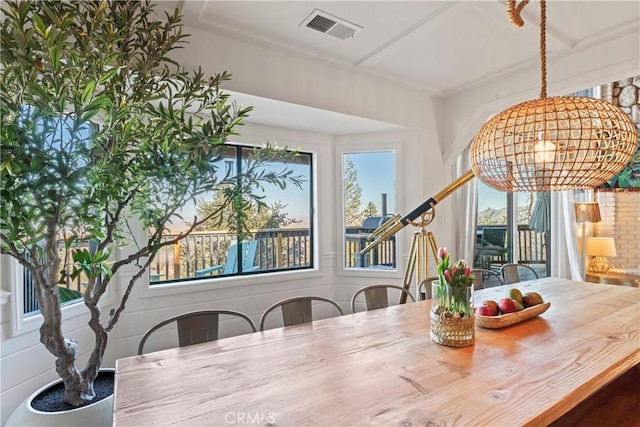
(349, 147)
(13, 271)
(241, 148)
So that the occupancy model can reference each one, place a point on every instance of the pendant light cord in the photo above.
(543, 49)
(513, 11)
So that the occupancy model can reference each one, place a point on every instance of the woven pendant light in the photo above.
(552, 144)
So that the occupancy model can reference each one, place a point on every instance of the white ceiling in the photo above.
(442, 47)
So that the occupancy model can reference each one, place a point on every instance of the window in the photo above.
(512, 227)
(54, 139)
(369, 200)
(280, 236)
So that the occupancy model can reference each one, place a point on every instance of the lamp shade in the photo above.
(553, 144)
(601, 246)
(587, 212)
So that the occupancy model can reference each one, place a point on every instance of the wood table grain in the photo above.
(381, 368)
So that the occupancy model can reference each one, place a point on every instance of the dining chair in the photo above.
(249, 249)
(424, 288)
(296, 310)
(481, 276)
(511, 272)
(376, 296)
(196, 327)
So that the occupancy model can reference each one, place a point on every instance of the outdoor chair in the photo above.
(376, 296)
(492, 247)
(511, 272)
(481, 276)
(424, 288)
(296, 310)
(249, 249)
(196, 327)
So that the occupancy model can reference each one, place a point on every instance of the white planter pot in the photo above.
(97, 414)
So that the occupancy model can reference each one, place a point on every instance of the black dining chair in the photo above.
(377, 296)
(196, 327)
(296, 310)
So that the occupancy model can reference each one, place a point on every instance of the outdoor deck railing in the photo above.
(532, 244)
(356, 239)
(277, 249)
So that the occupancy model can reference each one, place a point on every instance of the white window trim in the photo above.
(147, 290)
(347, 148)
(21, 325)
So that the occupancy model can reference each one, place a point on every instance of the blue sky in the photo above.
(376, 175)
(490, 198)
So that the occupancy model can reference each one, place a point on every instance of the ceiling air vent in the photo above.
(332, 25)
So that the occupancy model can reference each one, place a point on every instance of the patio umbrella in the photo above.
(540, 220)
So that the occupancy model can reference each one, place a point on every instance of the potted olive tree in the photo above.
(101, 127)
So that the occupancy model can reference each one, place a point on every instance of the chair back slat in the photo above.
(249, 255)
(296, 312)
(231, 264)
(376, 298)
(511, 274)
(197, 329)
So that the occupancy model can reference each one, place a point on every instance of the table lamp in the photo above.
(586, 212)
(600, 248)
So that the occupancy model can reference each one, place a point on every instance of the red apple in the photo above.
(492, 305)
(507, 305)
(485, 310)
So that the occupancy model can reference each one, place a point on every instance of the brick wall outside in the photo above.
(620, 212)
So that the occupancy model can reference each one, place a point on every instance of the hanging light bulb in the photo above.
(544, 150)
(579, 142)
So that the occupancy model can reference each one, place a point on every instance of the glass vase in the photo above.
(452, 317)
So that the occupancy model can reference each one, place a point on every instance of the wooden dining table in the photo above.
(380, 367)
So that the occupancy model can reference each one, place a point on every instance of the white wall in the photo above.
(275, 75)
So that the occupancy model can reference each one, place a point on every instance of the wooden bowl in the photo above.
(496, 322)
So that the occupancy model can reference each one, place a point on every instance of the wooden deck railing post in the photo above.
(176, 259)
(279, 249)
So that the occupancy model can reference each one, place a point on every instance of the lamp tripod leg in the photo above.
(417, 262)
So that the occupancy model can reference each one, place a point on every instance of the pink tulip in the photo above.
(442, 253)
(467, 272)
(454, 269)
(447, 275)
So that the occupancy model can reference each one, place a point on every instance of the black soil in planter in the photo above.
(51, 399)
